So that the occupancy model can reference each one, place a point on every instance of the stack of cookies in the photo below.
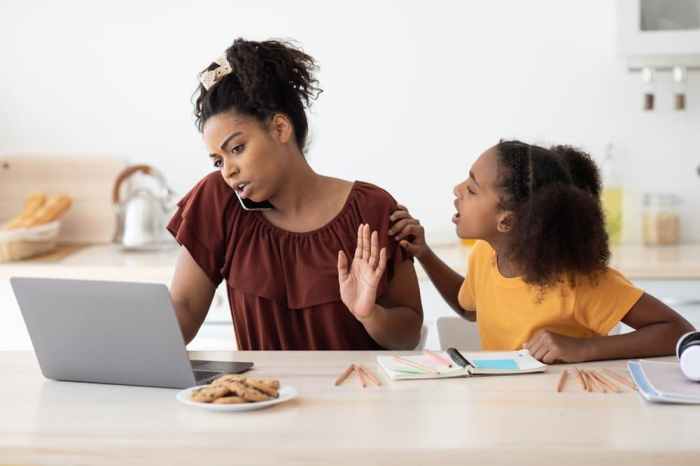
(234, 389)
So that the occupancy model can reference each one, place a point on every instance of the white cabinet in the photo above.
(659, 33)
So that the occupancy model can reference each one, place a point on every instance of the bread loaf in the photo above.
(52, 210)
(33, 203)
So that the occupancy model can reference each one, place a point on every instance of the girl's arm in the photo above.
(191, 292)
(657, 329)
(411, 236)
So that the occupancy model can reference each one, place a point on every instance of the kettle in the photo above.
(143, 213)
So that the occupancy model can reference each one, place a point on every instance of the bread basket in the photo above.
(22, 243)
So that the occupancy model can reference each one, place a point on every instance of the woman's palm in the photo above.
(359, 284)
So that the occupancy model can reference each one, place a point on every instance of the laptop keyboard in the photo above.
(218, 366)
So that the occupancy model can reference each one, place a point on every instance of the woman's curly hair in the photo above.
(554, 194)
(268, 77)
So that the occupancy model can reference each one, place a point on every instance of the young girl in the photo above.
(538, 278)
(289, 283)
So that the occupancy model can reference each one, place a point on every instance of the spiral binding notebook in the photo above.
(663, 382)
(445, 364)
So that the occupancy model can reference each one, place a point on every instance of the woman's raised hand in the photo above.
(359, 283)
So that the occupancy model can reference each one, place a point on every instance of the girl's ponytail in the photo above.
(558, 225)
(558, 232)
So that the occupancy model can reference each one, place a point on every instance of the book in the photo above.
(663, 382)
(426, 366)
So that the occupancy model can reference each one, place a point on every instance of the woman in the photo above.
(289, 282)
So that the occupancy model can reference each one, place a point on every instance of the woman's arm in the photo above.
(397, 319)
(657, 329)
(191, 292)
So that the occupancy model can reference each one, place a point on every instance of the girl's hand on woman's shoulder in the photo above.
(408, 231)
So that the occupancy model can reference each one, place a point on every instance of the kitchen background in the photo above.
(413, 93)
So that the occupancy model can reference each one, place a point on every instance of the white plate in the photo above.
(286, 393)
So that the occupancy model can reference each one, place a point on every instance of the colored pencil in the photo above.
(606, 382)
(581, 379)
(369, 375)
(362, 378)
(562, 380)
(622, 379)
(346, 373)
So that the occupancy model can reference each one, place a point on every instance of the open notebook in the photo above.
(424, 366)
(663, 382)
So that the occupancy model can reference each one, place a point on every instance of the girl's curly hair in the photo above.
(554, 194)
(268, 77)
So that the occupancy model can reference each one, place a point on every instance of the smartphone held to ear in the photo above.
(249, 204)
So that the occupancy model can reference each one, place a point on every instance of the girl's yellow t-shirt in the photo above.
(509, 311)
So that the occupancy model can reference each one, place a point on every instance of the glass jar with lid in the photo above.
(661, 219)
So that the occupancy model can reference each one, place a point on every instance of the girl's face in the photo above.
(250, 155)
(477, 201)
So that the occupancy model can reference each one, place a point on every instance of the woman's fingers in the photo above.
(382, 265)
(374, 250)
(367, 249)
(342, 266)
(358, 249)
(365, 242)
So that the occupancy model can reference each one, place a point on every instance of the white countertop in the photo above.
(480, 420)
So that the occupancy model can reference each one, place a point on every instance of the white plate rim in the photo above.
(286, 393)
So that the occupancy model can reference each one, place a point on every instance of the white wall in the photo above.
(414, 91)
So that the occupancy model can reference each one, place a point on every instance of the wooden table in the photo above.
(481, 420)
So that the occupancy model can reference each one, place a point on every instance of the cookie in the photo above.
(228, 400)
(267, 386)
(226, 378)
(210, 393)
(247, 393)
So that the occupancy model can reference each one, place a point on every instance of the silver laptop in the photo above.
(110, 332)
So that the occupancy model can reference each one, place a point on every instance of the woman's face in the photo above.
(477, 199)
(248, 153)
